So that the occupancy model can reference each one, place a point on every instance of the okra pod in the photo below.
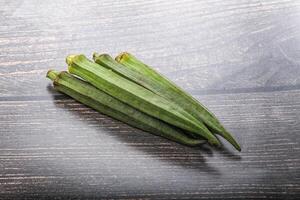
(137, 96)
(108, 105)
(146, 76)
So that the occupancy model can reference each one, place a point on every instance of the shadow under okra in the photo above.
(194, 157)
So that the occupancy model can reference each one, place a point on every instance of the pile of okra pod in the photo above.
(130, 91)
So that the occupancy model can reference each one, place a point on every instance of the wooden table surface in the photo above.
(240, 58)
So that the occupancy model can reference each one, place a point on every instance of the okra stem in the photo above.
(52, 74)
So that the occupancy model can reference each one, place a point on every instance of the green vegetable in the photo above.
(147, 77)
(137, 96)
(102, 102)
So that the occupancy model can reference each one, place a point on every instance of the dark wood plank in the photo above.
(205, 47)
(60, 148)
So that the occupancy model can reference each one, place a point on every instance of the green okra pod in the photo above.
(146, 76)
(106, 104)
(137, 96)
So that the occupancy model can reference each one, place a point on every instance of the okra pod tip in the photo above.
(230, 139)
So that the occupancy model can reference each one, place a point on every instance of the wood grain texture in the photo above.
(238, 57)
